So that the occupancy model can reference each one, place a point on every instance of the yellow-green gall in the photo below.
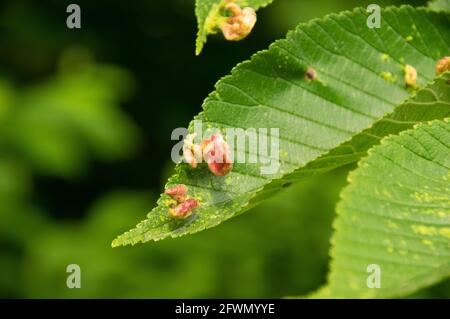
(410, 76)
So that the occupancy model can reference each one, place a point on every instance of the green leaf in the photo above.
(325, 123)
(440, 5)
(209, 15)
(395, 214)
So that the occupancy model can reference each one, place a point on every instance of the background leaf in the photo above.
(395, 213)
(440, 5)
(317, 119)
(205, 8)
(71, 115)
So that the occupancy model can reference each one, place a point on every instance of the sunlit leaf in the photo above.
(395, 216)
(440, 5)
(324, 123)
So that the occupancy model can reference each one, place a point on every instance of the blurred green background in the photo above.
(85, 123)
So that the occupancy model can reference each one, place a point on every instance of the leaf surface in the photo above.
(440, 5)
(323, 124)
(395, 214)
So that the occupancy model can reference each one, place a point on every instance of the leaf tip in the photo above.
(199, 46)
(116, 243)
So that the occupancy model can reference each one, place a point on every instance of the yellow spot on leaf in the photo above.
(391, 224)
(384, 57)
(428, 243)
(441, 214)
(387, 194)
(424, 230)
(445, 232)
(388, 76)
(425, 197)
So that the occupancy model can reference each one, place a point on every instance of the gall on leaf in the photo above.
(443, 65)
(310, 74)
(177, 192)
(216, 153)
(239, 24)
(410, 76)
(192, 152)
(184, 209)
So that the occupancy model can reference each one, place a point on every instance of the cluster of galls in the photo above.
(184, 204)
(214, 151)
(442, 66)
